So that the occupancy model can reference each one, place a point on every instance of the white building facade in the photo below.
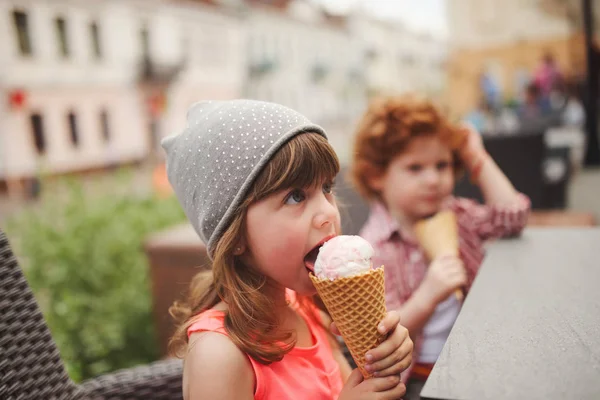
(489, 23)
(88, 84)
(399, 60)
(301, 59)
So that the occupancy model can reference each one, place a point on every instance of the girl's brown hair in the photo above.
(385, 130)
(249, 320)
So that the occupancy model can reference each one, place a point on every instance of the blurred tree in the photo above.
(80, 248)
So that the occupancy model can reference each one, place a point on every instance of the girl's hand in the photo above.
(394, 354)
(378, 388)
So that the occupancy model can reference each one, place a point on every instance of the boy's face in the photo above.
(284, 229)
(418, 180)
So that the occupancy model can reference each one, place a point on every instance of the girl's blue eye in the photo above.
(295, 196)
(328, 188)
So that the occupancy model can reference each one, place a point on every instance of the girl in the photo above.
(406, 157)
(255, 180)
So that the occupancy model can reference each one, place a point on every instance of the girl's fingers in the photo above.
(395, 393)
(382, 384)
(355, 378)
(389, 322)
(395, 363)
(388, 346)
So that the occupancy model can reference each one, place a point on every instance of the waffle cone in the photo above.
(438, 236)
(357, 306)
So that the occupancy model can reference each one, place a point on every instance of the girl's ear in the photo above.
(239, 249)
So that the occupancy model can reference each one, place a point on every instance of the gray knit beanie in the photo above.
(214, 161)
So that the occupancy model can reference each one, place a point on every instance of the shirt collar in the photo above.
(387, 225)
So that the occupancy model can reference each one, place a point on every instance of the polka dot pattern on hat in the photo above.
(217, 157)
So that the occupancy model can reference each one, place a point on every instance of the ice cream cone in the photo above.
(357, 306)
(438, 236)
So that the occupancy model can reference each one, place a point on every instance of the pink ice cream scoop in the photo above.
(343, 256)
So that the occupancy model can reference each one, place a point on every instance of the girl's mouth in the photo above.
(311, 257)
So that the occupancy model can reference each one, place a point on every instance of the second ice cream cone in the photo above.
(438, 236)
(357, 306)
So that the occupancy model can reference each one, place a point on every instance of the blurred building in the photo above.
(328, 66)
(424, 60)
(300, 57)
(397, 59)
(89, 84)
(66, 74)
(505, 41)
(194, 52)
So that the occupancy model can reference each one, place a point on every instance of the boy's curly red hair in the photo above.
(385, 130)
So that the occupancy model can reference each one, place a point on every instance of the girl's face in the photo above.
(285, 230)
(418, 180)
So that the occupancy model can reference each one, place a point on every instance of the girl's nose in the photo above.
(326, 212)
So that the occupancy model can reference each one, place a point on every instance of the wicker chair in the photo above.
(30, 364)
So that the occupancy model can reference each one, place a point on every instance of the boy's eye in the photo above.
(295, 196)
(328, 187)
(443, 165)
(415, 167)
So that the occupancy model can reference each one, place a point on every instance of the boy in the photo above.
(406, 158)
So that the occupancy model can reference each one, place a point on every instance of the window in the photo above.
(104, 125)
(95, 36)
(61, 35)
(73, 129)
(37, 130)
(22, 30)
(145, 39)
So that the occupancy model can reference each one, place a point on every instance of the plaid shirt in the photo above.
(404, 260)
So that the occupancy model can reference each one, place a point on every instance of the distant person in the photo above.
(490, 89)
(481, 117)
(535, 106)
(547, 76)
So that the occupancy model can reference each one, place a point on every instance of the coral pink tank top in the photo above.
(303, 373)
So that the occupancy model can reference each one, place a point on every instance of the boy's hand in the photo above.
(444, 275)
(472, 148)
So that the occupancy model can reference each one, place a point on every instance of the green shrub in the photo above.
(81, 250)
